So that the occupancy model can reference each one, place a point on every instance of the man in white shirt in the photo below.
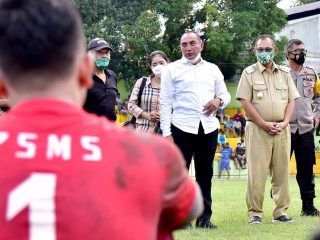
(192, 90)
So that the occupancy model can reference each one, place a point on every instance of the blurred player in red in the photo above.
(67, 174)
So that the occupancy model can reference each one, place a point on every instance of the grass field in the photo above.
(230, 214)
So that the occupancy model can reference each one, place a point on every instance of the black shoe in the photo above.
(205, 223)
(187, 227)
(283, 219)
(311, 211)
(255, 220)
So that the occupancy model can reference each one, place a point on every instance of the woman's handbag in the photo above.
(132, 123)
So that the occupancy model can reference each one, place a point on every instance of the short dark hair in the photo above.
(192, 32)
(154, 53)
(39, 41)
(289, 45)
(264, 36)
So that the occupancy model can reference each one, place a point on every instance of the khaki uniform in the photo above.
(269, 92)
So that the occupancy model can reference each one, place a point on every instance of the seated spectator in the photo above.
(221, 115)
(240, 156)
(125, 105)
(124, 109)
(240, 118)
(237, 128)
(242, 143)
(230, 129)
(226, 153)
(222, 138)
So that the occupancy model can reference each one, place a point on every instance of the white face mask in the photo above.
(196, 59)
(157, 70)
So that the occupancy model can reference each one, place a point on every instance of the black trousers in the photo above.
(303, 147)
(202, 147)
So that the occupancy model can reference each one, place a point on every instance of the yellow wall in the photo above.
(316, 168)
(292, 170)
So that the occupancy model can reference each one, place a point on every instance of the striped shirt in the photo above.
(149, 102)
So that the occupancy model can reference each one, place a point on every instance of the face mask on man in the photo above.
(196, 59)
(300, 60)
(157, 70)
(264, 57)
(102, 63)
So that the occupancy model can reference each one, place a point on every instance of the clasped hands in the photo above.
(275, 128)
(154, 116)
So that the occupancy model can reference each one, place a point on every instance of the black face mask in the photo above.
(300, 60)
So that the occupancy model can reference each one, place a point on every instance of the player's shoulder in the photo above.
(251, 69)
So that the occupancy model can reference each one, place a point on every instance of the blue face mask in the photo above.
(102, 63)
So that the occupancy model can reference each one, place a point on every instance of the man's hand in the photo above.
(211, 106)
(281, 126)
(272, 128)
(277, 127)
(315, 122)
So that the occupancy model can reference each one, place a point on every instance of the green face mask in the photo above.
(102, 63)
(265, 57)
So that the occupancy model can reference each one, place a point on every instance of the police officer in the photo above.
(303, 122)
(266, 92)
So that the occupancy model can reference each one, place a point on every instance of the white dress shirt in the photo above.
(185, 89)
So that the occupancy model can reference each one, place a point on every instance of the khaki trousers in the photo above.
(267, 154)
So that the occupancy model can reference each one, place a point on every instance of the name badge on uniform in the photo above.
(260, 95)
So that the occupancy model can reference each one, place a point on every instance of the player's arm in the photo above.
(182, 199)
(197, 207)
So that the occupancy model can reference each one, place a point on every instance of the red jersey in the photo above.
(67, 174)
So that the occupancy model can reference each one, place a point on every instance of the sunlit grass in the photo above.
(230, 214)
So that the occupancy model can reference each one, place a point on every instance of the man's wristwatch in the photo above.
(221, 102)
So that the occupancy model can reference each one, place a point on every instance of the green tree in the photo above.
(301, 2)
(136, 28)
(233, 25)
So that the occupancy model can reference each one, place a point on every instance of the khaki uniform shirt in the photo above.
(268, 91)
(302, 117)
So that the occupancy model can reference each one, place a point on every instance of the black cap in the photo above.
(98, 44)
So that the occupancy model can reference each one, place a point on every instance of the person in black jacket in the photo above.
(101, 98)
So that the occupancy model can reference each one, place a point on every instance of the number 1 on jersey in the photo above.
(36, 192)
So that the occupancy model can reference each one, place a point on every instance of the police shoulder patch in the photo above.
(309, 68)
(284, 68)
(251, 69)
(312, 70)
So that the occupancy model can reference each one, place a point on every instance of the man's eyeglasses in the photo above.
(264, 49)
(298, 52)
